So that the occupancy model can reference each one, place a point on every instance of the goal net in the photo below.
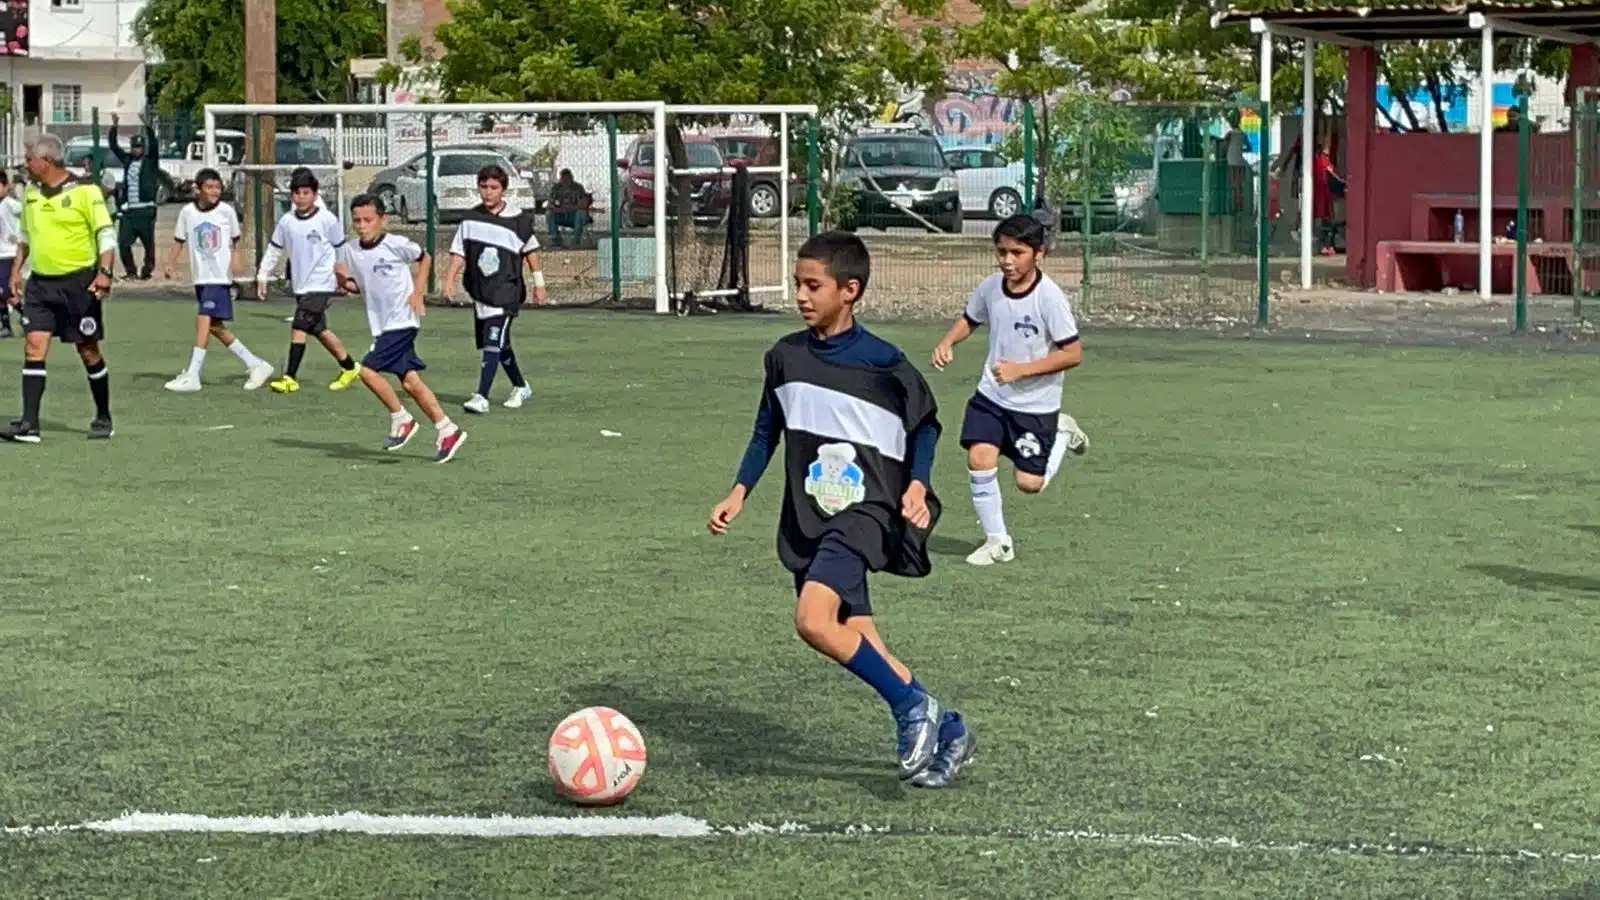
(586, 173)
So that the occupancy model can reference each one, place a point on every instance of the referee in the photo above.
(69, 242)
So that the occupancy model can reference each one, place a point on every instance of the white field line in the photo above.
(680, 826)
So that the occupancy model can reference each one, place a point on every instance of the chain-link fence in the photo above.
(1550, 236)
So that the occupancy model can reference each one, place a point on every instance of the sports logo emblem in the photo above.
(87, 326)
(834, 479)
(489, 261)
(1026, 326)
(1028, 445)
(208, 238)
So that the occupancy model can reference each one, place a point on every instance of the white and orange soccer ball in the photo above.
(596, 756)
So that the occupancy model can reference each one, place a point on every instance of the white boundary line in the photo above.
(680, 826)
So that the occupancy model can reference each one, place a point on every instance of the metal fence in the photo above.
(1553, 231)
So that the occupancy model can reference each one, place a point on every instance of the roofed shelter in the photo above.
(1387, 171)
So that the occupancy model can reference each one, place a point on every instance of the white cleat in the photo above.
(258, 376)
(519, 395)
(184, 384)
(477, 403)
(1068, 432)
(994, 550)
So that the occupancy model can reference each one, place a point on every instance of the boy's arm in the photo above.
(271, 258)
(764, 438)
(530, 256)
(924, 442)
(974, 314)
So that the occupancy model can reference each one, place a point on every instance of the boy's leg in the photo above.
(956, 741)
(1068, 437)
(491, 340)
(520, 392)
(188, 381)
(451, 436)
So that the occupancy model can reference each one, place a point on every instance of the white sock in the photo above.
(399, 418)
(197, 361)
(445, 426)
(985, 486)
(249, 359)
(1058, 452)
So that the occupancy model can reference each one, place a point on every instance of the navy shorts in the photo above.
(495, 332)
(395, 352)
(836, 566)
(5, 278)
(214, 300)
(1023, 438)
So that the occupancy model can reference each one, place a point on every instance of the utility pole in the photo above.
(260, 86)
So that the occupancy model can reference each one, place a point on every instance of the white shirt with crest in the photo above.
(383, 272)
(1023, 328)
(209, 236)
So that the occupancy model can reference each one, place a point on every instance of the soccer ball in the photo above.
(596, 756)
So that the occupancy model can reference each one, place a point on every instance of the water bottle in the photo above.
(1459, 227)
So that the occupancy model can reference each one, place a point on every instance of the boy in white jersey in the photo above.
(311, 237)
(1016, 411)
(10, 230)
(209, 230)
(378, 267)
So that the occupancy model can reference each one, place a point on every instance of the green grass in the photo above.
(1275, 560)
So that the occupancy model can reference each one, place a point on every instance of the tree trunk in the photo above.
(680, 199)
(1437, 94)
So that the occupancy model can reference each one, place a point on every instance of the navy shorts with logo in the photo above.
(63, 305)
(835, 565)
(494, 332)
(214, 300)
(1023, 438)
(395, 352)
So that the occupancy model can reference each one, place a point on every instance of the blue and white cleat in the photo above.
(951, 756)
(917, 735)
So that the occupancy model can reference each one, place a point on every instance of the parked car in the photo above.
(289, 152)
(765, 194)
(989, 185)
(187, 160)
(455, 185)
(81, 153)
(909, 171)
(385, 184)
(709, 186)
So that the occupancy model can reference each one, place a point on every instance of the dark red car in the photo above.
(709, 186)
(762, 151)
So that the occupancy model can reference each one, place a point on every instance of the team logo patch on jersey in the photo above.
(208, 238)
(834, 479)
(1026, 326)
(1028, 445)
(488, 260)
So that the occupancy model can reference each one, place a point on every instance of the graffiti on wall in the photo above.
(969, 114)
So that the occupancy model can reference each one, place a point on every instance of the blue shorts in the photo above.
(395, 352)
(836, 566)
(214, 300)
(5, 278)
(1023, 438)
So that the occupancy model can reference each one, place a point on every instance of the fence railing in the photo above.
(1555, 227)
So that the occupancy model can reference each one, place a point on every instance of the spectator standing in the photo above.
(136, 198)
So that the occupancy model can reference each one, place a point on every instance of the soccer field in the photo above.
(1307, 621)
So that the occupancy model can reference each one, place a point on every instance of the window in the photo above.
(73, 5)
(66, 103)
(467, 164)
(701, 154)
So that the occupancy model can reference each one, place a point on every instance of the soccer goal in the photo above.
(585, 171)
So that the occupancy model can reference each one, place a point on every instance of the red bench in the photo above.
(1433, 265)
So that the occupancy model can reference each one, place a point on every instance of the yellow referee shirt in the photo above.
(61, 226)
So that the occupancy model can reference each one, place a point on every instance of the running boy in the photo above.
(209, 229)
(1016, 411)
(861, 426)
(493, 243)
(311, 237)
(378, 267)
(10, 230)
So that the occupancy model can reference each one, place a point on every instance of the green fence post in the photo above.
(813, 174)
(1029, 157)
(1086, 229)
(94, 141)
(1522, 214)
(1263, 292)
(1208, 159)
(1582, 121)
(616, 209)
(430, 203)
(257, 214)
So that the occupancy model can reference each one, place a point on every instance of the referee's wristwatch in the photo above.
(105, 272)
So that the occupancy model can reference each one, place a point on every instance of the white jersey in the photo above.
(312, 243)
(1022, 329)
(383, 270)
(10, 225)
(209, 235)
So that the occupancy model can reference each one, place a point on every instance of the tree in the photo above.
(843, 55)
(201, 45)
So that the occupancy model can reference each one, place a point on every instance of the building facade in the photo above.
(60, 60)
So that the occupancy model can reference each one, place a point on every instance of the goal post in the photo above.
(622, 246)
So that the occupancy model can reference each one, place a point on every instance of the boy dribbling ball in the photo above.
(378, 266)
(1016, 411)
(209, 230)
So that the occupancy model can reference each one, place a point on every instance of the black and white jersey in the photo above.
(493, 245)
(846, 432)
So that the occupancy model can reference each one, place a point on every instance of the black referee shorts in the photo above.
(64, 306)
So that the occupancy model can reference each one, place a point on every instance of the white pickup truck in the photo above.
(186, 165)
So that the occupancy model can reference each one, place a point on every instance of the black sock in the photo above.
(486, 370)
(32, 390)
(100, 389)
(347, 363)
(5, 316)
(508, 360)
(297, 352)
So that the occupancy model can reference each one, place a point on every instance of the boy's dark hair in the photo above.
(1023, 229)
(302, 178)
(843, 254)
(372, 200)
(4, 178)
(205, 175)
(493, 172)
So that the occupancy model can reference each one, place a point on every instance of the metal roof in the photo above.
(1410, 20)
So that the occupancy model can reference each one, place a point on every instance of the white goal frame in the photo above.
(655, 109)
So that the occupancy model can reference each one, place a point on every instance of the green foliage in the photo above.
(1093, 150)
(201, 44)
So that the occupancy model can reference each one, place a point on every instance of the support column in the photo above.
(1583, 71)
(1486, 162)
(1361, 110)
(260, 86)
(1308, 116)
